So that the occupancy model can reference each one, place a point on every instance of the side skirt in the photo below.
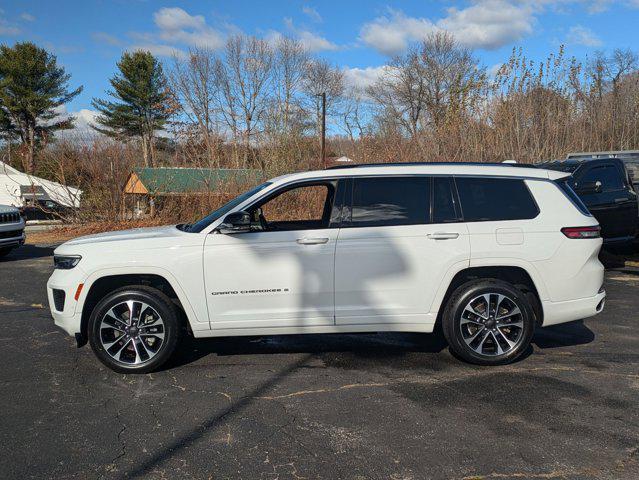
(293, 330)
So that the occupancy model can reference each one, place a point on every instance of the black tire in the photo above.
(5, 251)
(159, 302)
(512, 340)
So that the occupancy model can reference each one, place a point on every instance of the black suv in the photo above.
(606, 188)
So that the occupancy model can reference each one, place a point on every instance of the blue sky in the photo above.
(88, 36)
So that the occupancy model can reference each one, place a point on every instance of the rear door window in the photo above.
(493, 199)
(609, 176)
(388, 201)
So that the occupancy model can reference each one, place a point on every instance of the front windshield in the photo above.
(223, 210)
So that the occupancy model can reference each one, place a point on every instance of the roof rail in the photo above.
(413, 164)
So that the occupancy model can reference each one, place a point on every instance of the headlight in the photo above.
(66, 262)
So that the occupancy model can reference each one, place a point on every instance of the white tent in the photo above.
(17, 188)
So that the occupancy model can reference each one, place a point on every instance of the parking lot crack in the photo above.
(120, 433)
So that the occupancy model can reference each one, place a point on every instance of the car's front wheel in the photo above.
(134, 329)
(488, 322)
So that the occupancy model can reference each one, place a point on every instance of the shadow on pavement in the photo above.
(26, 252)
(374, 346)
(211, 424)
(568, 334)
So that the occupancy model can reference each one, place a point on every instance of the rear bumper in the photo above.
(562, 312)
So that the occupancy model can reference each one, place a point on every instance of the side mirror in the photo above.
(236, 222)
(589, 187)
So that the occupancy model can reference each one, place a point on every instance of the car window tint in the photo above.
(485, 199)
(390, 201)
(298, 204)
(443, 203)
(608, 175)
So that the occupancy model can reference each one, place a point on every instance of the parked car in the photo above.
(605, 187)
(11, 229)
(630, 158)
(490, 252)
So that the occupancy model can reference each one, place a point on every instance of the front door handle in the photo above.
(312, 241)
(443, 235)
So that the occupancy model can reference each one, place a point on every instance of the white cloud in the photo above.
(392, 34)
(494, 70)
(362, 78)
(7, 28)
(486, 24)
(579, 35)
(105, 38)
(312, 13)
(489, 24)
(27, 17)
(84, 119)
(311, 41)
(315, 43)
(178, 26)
(158, 49)
(598, 6)
(177, 19)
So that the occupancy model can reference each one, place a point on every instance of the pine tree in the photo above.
(142, 102)
(32, 88)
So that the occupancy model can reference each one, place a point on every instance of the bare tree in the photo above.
(243, 80)
(192, 79)
(322, 77)
(290, 62)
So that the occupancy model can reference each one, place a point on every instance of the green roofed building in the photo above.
(159, 182)
(149, 188)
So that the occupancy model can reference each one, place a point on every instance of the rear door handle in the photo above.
(621, 200)
(443, 235)
(312, 241)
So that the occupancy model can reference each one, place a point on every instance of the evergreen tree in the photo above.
(142, 102)
(32, 87)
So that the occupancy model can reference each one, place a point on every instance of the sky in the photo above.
(89, 36)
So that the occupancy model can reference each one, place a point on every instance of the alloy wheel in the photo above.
(132, 332)
(492, 324)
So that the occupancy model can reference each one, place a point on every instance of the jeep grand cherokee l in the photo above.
(11, 229)
(489, 251)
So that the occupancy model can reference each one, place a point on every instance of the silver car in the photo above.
(11, 229)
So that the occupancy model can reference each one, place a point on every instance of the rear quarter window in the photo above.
(564, 186)
(494, 199)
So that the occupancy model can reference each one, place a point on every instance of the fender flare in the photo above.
(94, 276)
(459, 267)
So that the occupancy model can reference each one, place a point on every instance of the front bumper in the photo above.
(69, 318)
(562, 312)
(13, 241)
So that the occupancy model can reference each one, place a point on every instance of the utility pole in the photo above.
(323, 132)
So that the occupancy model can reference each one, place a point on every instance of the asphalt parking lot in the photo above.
(379, 406)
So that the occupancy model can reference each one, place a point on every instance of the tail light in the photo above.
(582, 232)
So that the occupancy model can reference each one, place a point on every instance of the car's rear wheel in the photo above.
(488, 322)
(134, 329)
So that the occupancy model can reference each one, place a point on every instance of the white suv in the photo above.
(11, 229)
(488, 251)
